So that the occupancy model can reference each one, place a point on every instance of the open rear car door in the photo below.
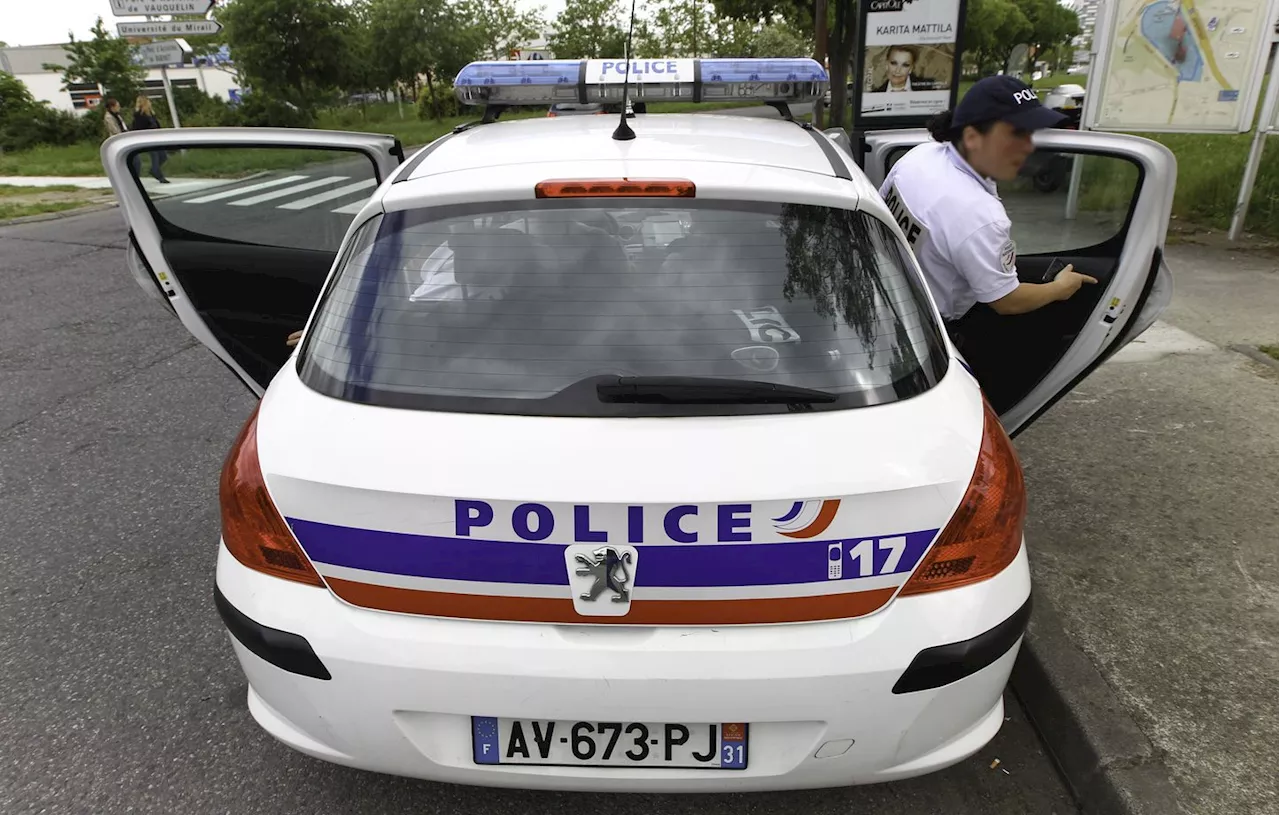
(240, 237)
(1099, 201)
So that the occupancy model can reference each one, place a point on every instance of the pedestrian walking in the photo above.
(112, 120)
(144, 118)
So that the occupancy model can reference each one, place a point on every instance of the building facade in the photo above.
(27, 64)
(1087, 12)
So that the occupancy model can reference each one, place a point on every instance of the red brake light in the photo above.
(252, 528)
(985, 533)
(615, 188)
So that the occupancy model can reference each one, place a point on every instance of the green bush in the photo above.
(15, 98)
(446, 103)
(195, 109)
(343, 118)
(42, 125)
(260, 110)
(90, 127)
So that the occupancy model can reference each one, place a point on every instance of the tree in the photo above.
(822, 17)
(498, 26)
(426, 39)
(590, 29)
(685, 28)
(992, 29)
(104, 60)
(359, 73)
(398, 29)
(293, 50)
(798, 13)
(842, 36)
(1051, 25)
(780, 39)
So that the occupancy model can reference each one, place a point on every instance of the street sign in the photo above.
(167, 52)
(139, 8)
(170, 28)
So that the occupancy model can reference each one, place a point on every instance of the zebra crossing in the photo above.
(293, 192)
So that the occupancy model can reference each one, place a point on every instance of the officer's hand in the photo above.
(1069, 281)
(293, 339)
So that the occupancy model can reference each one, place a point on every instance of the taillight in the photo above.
(985, 532)
(615, 188)
(252, 528)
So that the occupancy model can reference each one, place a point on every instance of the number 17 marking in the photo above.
(863, 554)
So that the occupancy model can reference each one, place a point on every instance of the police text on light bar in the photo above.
(547, 82)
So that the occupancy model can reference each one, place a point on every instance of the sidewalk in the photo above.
(1152, 525)
(177, 186)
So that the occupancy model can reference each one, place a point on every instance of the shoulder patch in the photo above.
(1009, 255)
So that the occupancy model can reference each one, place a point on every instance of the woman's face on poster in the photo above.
(900, 65)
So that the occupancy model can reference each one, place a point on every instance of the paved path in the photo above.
(1152, 525)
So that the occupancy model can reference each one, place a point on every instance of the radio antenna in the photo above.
(624, 131)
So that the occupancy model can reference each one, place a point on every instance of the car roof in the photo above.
(698, 137)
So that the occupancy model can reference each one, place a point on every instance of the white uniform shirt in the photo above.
(956, 226)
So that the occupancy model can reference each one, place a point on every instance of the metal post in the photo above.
(1265, 127)
(1099, 63)
(168, 94)
(1073, 191)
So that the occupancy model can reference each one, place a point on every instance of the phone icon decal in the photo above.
(835, 561)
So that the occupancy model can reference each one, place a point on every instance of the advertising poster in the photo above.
(907, 66)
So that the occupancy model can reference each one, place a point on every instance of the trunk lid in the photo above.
(640, 521)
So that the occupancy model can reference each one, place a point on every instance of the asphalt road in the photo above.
(120, 691)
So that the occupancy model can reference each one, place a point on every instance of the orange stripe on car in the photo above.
(643, 612)
(825, 516)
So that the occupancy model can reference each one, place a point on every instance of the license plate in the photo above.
(608, 744)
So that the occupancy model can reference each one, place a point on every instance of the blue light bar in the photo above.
(547, 82)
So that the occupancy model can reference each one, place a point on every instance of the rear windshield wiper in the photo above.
(706, 390)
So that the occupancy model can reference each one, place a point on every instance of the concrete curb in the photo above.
(1257, 356)
(1106, 760)
(54, 216)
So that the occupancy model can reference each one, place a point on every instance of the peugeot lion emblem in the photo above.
(608, 569)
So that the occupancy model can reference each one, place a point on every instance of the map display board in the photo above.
(1184, 66)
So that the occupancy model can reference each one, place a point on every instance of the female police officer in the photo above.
(943, 194)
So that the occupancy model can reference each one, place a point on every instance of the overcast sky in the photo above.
(24, 22)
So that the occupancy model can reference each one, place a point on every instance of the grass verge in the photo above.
(75, 159)
(1272, 351)
(18, 201)
(18, 210)
(11, 191)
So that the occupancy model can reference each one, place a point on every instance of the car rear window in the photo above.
(525, 307)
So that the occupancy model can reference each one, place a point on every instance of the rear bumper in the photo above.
(912, 689)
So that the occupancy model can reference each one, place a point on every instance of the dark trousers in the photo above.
(158, 158)
(975, 336)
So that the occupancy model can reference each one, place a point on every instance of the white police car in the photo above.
(616, 464)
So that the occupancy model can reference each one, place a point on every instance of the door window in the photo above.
(1048, 218)
(291, 198)
(1064, 208)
